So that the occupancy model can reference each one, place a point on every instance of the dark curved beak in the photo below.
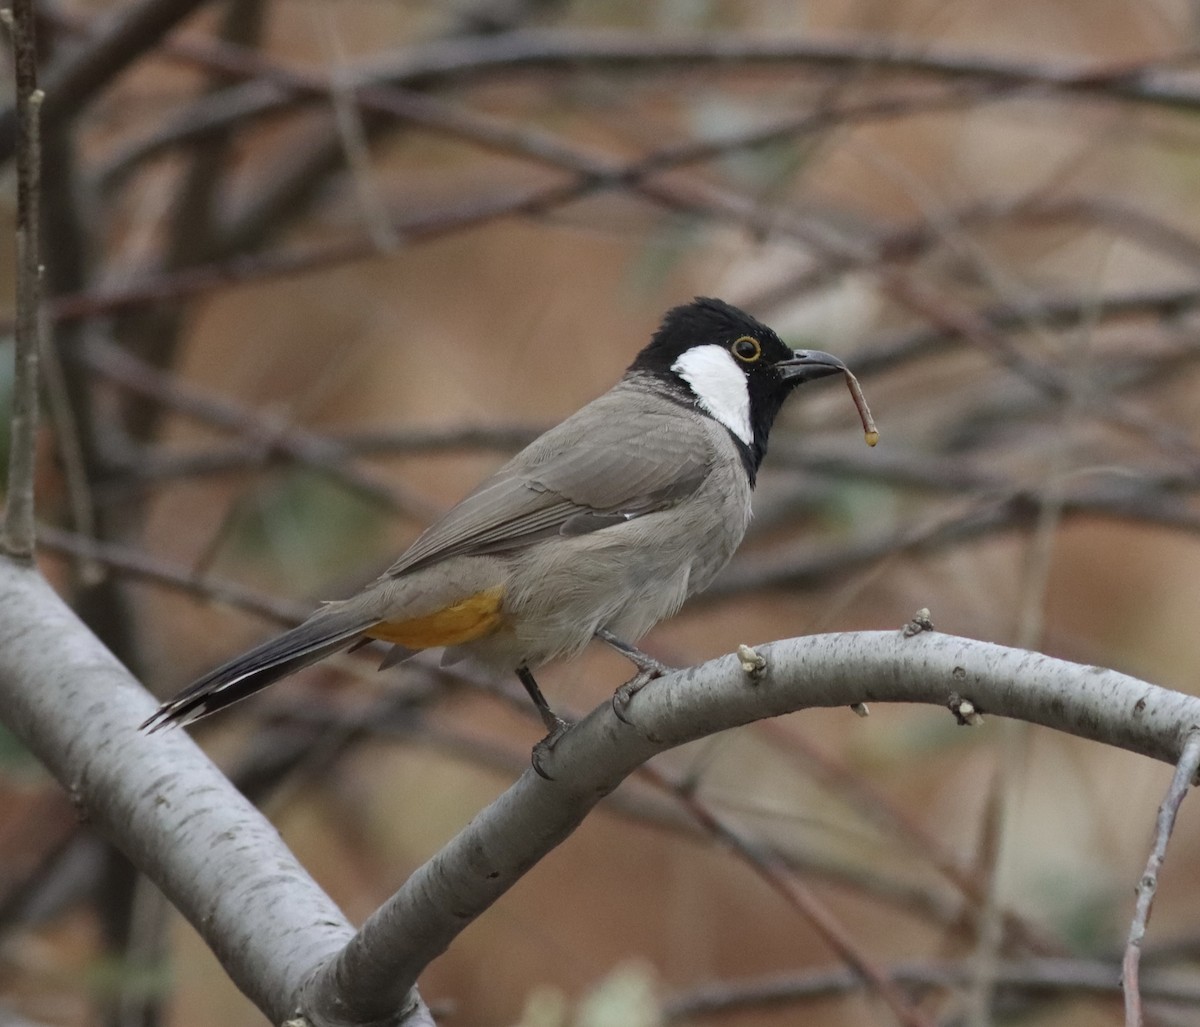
(806, 365)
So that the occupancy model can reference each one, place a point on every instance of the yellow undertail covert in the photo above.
(474, 617)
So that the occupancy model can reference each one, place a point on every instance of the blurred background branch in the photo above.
(17, 537)
(312, 271)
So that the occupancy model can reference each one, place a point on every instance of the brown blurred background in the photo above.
(1000, 233)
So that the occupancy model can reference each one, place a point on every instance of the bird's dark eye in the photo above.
(746, 349)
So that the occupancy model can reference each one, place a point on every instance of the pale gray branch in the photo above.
(284, 942)
(161, 800)
(418, 923)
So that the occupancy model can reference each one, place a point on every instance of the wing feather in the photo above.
(599, 468)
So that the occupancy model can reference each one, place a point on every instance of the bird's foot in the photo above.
(557, 728)
(623, 695)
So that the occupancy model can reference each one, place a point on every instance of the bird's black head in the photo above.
(731, 367)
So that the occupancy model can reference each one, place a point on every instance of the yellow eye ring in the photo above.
(747, 349)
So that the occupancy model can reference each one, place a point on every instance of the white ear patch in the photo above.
(719, 385)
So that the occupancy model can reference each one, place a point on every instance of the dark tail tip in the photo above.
(263, 665)
(192, 704)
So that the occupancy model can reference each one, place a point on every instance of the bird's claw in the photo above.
(557, 728)
(647, 665)
(623, 695)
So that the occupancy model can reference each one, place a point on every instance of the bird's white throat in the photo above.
(719, 385)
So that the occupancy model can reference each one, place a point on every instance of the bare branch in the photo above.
(269, 435)
(141, 566)
(534, 815)
(905, 828)
(79, 79)
(805, 566)
(664, 812)
(456, 60)
(203, 278)
(191, 228)
(218, 860)
(17, 540)
(593, 170)
(153, 464)
(1060, 311)
(352, 133)
(770, 867)
(1184, 777)
(1054, 978)
(544, 49)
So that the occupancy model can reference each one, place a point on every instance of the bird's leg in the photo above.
(648, 669)
(555, 725)
(643, 661)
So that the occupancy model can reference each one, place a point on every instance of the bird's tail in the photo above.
(331, 628)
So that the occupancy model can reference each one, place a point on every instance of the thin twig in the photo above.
(907, 829)
(457, 60)
(18, 535)
(1051, 978)
(348, 122)
(123, 38)
(192, 208)
(806, 566)
(696, 196)
(917, 239)
(163, 287)
(271, 435)
(80, 495)
(142, 566)
(163, 463)
(1134, 82)
(800, 897)
(1185, 774)
(268, 87)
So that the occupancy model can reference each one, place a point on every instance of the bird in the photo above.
(601, 527)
